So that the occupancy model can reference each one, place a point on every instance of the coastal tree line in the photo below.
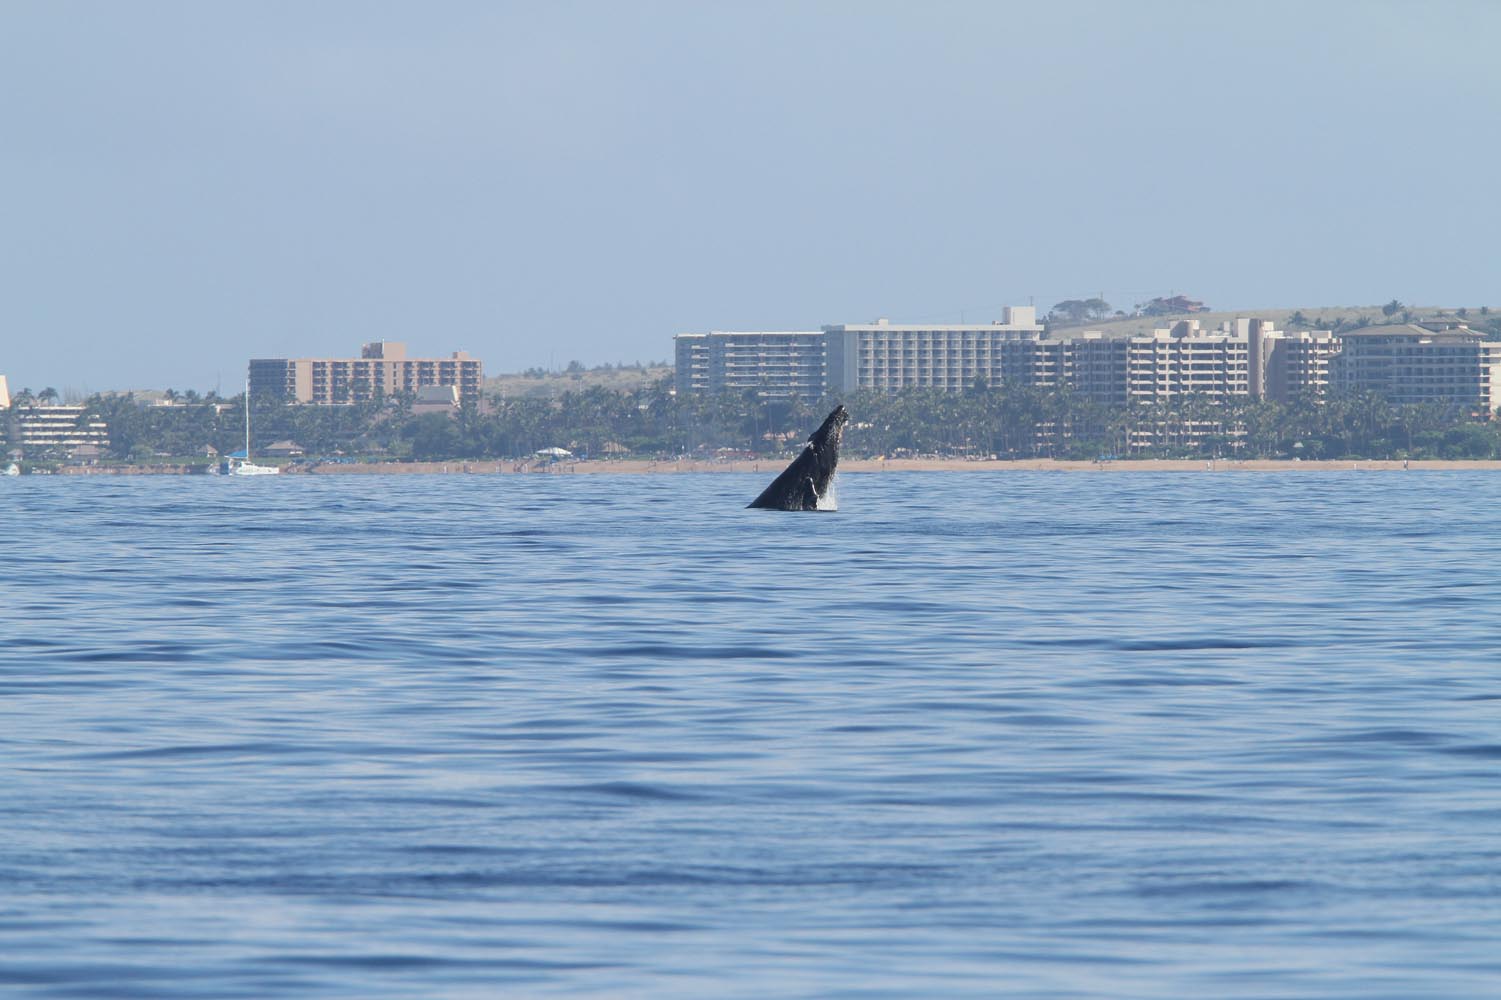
(1004, 421)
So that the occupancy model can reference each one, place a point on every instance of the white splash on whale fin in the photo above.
(830, 498)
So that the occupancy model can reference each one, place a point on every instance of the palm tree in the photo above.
(1262, 419)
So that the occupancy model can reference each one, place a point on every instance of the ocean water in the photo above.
(1015, 734)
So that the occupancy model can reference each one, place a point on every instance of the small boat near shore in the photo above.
(244, 466)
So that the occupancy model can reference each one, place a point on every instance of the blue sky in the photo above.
(184, 186)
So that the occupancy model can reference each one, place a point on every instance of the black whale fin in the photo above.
(803, 483)
(810, 494)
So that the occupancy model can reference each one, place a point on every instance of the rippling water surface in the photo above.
(1043, 735)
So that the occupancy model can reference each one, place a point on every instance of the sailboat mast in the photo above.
(247, 420)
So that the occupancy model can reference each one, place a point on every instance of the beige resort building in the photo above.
(382, 369)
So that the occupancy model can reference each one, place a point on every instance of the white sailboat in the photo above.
(245, 467)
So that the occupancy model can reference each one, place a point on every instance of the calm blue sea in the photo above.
(1016, 734)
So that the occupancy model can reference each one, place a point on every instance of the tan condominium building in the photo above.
(1092, 366)
(382, 370)
(1185, 361)
(1443, 364)
(1288, 365)
(1242, 357)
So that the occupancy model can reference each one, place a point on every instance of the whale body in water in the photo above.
(806, 481)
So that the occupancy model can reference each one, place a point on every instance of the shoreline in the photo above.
(855, 466)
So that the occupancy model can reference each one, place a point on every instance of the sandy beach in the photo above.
(772, 466)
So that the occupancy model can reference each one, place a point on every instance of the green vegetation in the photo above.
(1004, 421)
(196, 427)
(1079, 310)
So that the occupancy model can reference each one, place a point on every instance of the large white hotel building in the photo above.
(879, 355)
(1240, 358)
(1248, 358)
(889, 357)
(784, 363)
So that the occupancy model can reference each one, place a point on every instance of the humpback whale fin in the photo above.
(810, 494)
(805, 482)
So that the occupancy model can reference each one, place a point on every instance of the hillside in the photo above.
(1312, 318)
(549, 385)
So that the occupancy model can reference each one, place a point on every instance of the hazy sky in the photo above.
(184, 186)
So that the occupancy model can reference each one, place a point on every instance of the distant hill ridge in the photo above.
(1335, 318)
(544, 384)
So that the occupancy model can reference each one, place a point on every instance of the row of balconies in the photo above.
(733, 380)
(32, 430)
(1470, 378)
(393, 366)
(61, 437)
(1160, 349)
(867, 356)
(1407, 365)
(775, 363)
(1162, 378)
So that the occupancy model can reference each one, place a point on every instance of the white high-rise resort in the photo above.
(1241, 358)
(888, 357)
(773, 364)
(880, 355)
